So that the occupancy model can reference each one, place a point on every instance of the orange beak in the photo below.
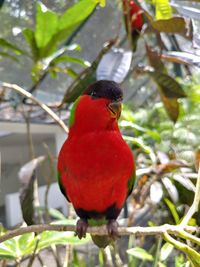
(115, 109)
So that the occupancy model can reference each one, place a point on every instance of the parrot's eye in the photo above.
(93, 94)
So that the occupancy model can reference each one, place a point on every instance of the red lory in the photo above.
(133, 19)
(96, 169)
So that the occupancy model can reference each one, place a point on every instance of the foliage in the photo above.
(19, 247)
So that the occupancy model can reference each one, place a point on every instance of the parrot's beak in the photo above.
(115, 109)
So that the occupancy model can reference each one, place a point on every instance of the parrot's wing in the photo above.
(62, 189)
(131, 183)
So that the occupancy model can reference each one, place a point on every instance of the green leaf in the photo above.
(140, 253)
(166, 250)
(173, 211)
(172, 25)
(46, 25)
(29, 36)
(56, 214)
(171, 106)
(17, 247)
(138, 142)
(163, 9)
(67, 23)
(128, 124)
(76, 60)
(4, 43)
(102, 3)
(4, 54)
(169, 86)
(26, 244)
(180, 261)
(6, 252)
(67, 71)
(49, 238)
(75, 15)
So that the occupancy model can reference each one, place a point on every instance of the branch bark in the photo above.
(102, 230)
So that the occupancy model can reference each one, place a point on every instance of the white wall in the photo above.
(14, 151)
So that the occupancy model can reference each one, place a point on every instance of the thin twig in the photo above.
(102, 230)
(32, 258)
(195, 205)
(23, 92)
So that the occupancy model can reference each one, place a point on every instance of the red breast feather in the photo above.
(95, 162)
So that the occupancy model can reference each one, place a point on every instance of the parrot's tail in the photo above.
(102, 241)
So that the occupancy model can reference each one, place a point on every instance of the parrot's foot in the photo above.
(81, 228)
(112, 228)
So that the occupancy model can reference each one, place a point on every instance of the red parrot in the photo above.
(96, 170)
(133, 18)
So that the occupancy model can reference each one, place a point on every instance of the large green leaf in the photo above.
(17, 247)
(21, 246)
(46, 25)
(61, 27)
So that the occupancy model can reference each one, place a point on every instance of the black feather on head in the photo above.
(105, 89)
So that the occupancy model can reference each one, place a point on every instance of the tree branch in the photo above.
(102, 230)
(28, 95)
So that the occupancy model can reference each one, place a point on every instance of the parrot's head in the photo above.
(99, 107)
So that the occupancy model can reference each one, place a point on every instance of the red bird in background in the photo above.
(95, 165)
(133, 19)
